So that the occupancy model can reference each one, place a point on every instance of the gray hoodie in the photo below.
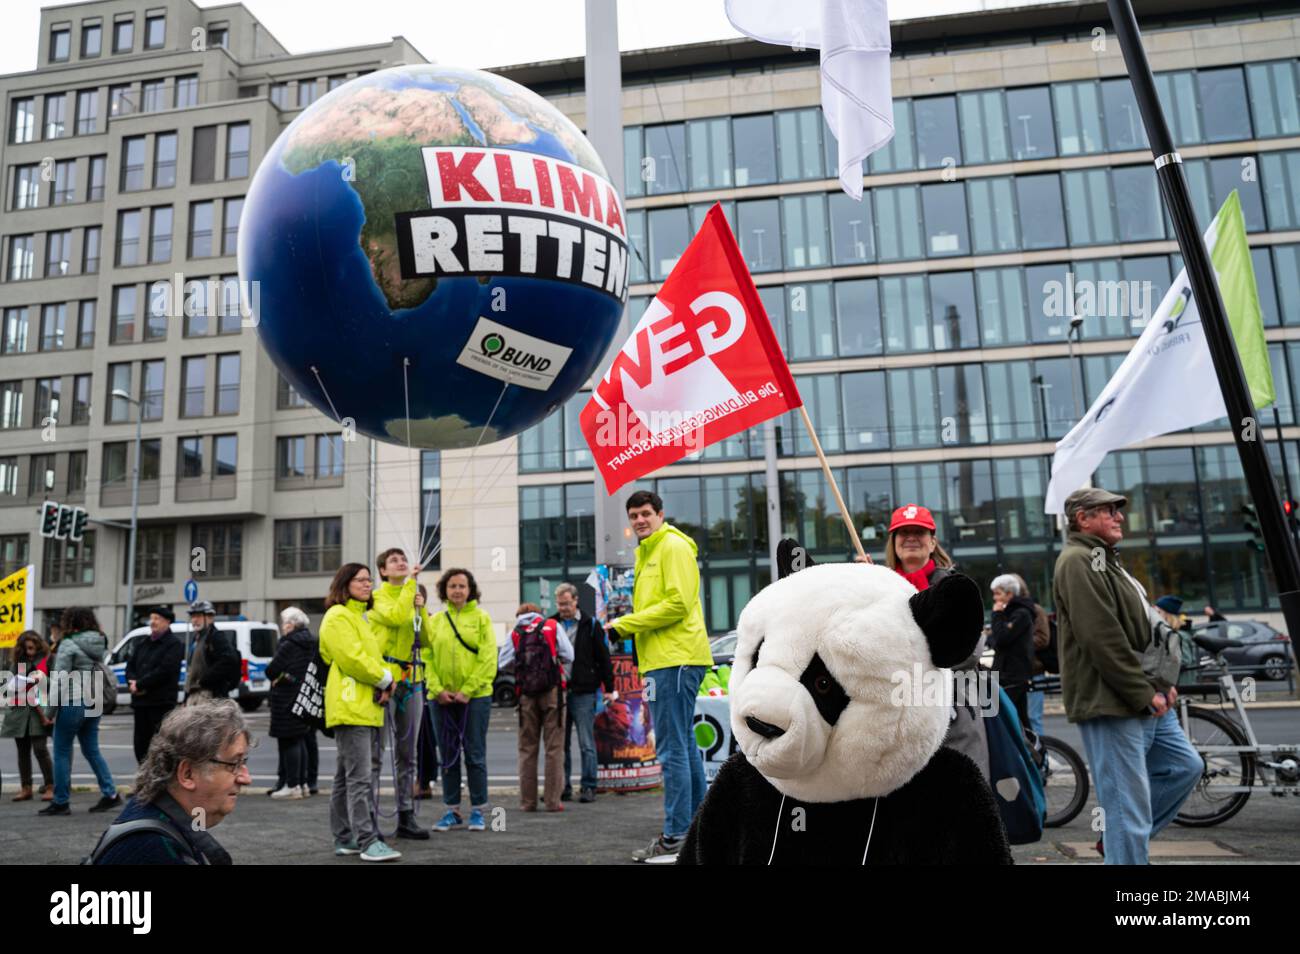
(80, 652)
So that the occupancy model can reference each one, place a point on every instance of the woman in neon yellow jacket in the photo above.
(460, 665)
(356, 690)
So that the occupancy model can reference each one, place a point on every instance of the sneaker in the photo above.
(306, 792)
(289, 791)
(378, 851)
(588, 795)
(448, 821)
(54, 808)
(107, 804)
(342, 848)
(408, 827)
(660, 851)
(476, 821)
(566, 795)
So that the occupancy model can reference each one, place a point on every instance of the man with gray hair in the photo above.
(188, 783)
(1142, 764)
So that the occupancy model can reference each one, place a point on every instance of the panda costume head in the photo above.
(815, 713)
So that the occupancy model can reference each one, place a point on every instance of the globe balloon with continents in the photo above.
(439, 256)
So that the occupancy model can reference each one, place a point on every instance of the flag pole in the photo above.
(1246, 431)
(835, 488)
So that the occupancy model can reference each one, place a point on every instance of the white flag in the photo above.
(1167, 382)
(853, 36)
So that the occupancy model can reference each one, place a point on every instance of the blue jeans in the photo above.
(1143, 768)
(1036, 712)
(582, 715)
(671, 694)
(71, 722)
(472, 720)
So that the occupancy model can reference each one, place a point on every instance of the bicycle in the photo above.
(1229, 749)
(1065, 775)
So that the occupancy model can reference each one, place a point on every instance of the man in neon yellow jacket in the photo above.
(672, 647)
(460, 663)
(358, 687)
(397, 604)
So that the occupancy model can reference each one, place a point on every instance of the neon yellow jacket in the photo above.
(350, 646)
(667, 620)
(449, 665)
(393, 617)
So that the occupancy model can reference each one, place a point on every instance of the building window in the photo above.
(69, 563)
(286, 395)
(22, 124)
(27, 187)
(223, 546)
(227, 384)
(128, 238)
(155, 554)
(237, 148)
(86, 323)
(60, 44)
(8, 476)
(41, 477)
(160, 234)
(984, 126)
(754, 145)
(1275, 98)
(58, 253)
(852, 242)
(194, 388)
(49, 400)
(119, 459)
(799, 144)
(898, 222)
(119, 379)
(1137, 203)
(812, 322)
(153, 96)
(1225, 112)
(123, 36)
(306, 93)
(95, 185)
(1177, 93)
(65, 182)
(151, 390)
(231, 210)
(758, 227)
(155, 32)
(189, 458)
(56, 115)
(22, 257)
(1124, 129)
(54, 320)
(77, 473)
(90, 250)
(164, 160)
(308, 546)
(87, 111)
(133, 163)
(13, 548)
(1042, 220)
(225, 455)
(280, 95)
(936, 132)
(92, 40)
(335, 82)
(15, 332)
(121, 100)
(229, 308)
(122, 330)
(1003, 315)
(187, 91)
(201, 221)
(992, 215)
(329, 456)
(944, 204)
(291, 458)
(1078, 117)
(806, 236)
(203, 162)
(81, 399)
(11, 405)
(1090, 216)
(218, 36)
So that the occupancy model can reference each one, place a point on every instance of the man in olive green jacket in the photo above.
(1142, 764)
(672, 646)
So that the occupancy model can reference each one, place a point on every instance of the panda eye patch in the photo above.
(828, 695)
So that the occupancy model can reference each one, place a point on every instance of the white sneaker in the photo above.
(306, 792)
(287, 792)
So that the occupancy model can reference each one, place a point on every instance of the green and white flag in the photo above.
(1167, 382)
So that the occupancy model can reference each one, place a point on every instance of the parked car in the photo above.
(256, 642)
(1265, 655)
(724, 648)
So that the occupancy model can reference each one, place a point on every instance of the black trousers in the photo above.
(147, 721)
(1019, 696)
(293, 760)
(311, 765)
(426, 769)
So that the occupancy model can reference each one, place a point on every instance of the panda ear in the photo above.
(951, 614)
(791, 557)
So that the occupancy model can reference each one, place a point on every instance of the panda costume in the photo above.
(830, 770)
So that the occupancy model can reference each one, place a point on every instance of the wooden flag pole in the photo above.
(835, 488)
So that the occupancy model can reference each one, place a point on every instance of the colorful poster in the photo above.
(16, 605)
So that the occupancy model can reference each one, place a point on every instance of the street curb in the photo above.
(1285, 704)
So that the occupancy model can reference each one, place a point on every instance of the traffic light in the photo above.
(49, 518)
(1290, 508)
(1252, 526)
(79, 518)
(65, 522)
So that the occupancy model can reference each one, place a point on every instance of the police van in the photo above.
(256, 642)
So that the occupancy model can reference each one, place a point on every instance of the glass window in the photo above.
(972, 515)
(237, 150)
(1029, 116)
(86, 324)
(201, 221)
(227, 384)
(60, 44)
(851, 237)
(984, 126)
(153, 95)
(1124, 129)
(945, 218)
(11, 405)
(187, 91)
(1020, 483)
(1177, 94)
(866, 413)
(799, 144)
(132, 163)
(1102, 299)
(157, 308)
(903, 303)
(936, 132)
(1042, 220)
(1238, 172)
(633, 152)
(329, 456)
(218, 37)
(65, 182)
(121, 100)
(151, 390)
(22, 125)
(22, 257)
(1078, 117)
(1225, 113)
(128, 237)
(993, 215)
(15, 331)
(857, 317)
(1274, 97)
(666, 149)
(306, 93)
(194, 374)
(670, 233)
(231, 210)
(1281, 174)
(160, 234)
(1286, 271)
(90, 250)
(1062, 394)
(95, 187)
(1045, 291)
(155, 32)
(1151, 272)
(92, 40)
(27, 187)
(56, 115)
(805, 231)
(77, 472)
(811, 320)
(898, 222)
(279, 93)
(577, 455)
(119, 379)
(164, 160)
(912, 414)
(123, 36)
(755, 149)
(820, 392)
(773, 300)
(1088, 207)
(58, 253)
(952, 307)
(899, 155)
(963, 417)
(203, 161)
(759, 234)
(54, 327)
(190, 457)
(1137, 202)
(124, 312)
(1013, 401)
(81, 399)
(87, 111)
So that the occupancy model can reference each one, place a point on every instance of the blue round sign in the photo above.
(191, 591)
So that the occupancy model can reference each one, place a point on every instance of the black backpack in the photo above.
(119, 830)
(1047, 655)
(223, 661)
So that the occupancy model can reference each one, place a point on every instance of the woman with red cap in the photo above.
(913, 550)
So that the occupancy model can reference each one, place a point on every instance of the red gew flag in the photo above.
(702, 364)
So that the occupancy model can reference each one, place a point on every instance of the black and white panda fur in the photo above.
(830, 770)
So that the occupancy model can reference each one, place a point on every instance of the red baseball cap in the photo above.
(911, 515)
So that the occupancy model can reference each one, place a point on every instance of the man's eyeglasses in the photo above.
(234, 768)
(1111, 510)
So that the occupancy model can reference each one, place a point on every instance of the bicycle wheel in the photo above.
(1204, 806)
(1065, 782)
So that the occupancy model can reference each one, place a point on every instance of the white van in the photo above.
(256, 642)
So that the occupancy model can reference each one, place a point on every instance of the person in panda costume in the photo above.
(831, 769)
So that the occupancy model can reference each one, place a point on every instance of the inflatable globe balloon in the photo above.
(437, 255)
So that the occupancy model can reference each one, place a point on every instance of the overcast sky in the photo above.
(477, 33)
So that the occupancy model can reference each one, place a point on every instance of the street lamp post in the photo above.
(135, 510)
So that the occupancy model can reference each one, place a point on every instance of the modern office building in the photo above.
(928, 326)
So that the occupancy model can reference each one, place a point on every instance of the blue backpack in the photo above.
(1014, 775)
